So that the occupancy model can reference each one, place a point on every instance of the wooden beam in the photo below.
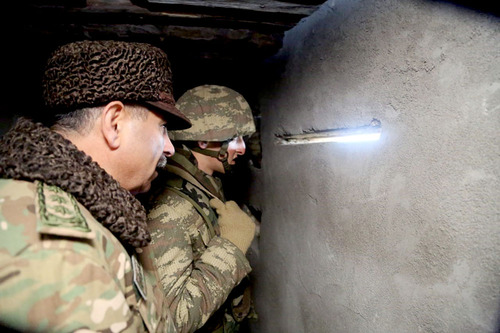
(258, 6)
(123, 11)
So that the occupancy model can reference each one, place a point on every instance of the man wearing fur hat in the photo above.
(71, 230)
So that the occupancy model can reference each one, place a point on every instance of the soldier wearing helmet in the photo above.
(199, 241)
(220, 116)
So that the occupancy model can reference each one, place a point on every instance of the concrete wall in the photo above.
(399, 235)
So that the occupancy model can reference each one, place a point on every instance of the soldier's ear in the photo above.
(111, 123)
(203, 144)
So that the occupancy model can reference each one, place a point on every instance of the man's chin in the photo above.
(141, 191)
(144, 188)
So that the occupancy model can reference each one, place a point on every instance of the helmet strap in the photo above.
(221, 155)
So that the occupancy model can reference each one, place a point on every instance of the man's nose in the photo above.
(168, 148)
(240, 146)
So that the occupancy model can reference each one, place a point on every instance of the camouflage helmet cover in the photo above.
(217, 113)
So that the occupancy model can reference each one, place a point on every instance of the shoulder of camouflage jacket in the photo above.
(174, 222)
(185, 254)
(52, 251)
(31, 209)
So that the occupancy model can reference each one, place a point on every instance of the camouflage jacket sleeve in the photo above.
(197, 272)
(60, 270)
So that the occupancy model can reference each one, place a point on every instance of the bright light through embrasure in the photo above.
(366, 133)
(357, 138)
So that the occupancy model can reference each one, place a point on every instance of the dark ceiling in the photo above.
(224, 42)
(227, 42)
(210, 29)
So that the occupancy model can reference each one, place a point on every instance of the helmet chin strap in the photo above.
(221, 155)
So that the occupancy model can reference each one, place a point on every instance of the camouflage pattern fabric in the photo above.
(197, 268)
(62, 271)
(217, 113)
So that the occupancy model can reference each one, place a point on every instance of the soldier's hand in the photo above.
(235, 225)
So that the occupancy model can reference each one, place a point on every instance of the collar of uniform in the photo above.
(184, 159)
(32, 152)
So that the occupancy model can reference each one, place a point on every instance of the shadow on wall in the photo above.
(23, 60)
(498, 321)
(485, 6)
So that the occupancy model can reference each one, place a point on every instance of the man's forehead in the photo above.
(159, 116)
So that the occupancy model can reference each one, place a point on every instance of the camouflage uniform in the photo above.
(61, 270)
(197, 268)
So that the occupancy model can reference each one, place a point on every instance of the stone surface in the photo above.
(398, 235)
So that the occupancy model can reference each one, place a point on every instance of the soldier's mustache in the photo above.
(162, 163)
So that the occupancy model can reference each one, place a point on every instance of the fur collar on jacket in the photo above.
(30, 151)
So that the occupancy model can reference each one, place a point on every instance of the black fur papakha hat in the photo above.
(94, 73)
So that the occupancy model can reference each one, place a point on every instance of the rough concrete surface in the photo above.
(398, 235)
